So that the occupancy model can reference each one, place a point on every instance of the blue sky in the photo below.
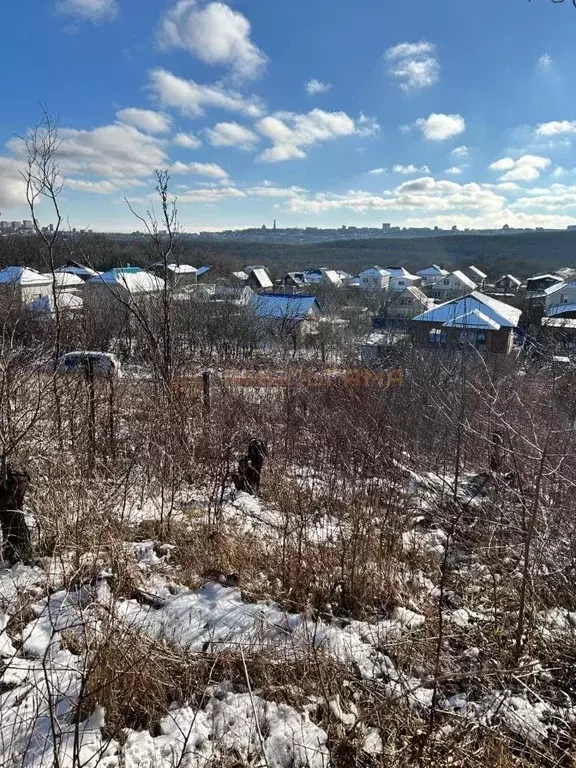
(315, 113)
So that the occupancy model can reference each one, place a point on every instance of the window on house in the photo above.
(446, 282)
(437, 336)
(401, 282)
(563, 298)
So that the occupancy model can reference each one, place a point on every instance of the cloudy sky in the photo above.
(313, 112)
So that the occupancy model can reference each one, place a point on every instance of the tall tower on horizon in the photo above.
(274, 227)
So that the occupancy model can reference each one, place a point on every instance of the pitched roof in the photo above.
(66, 280)
(477, 272)
(178, 269)
(432, 271)
(72, 268)
(133, 279)
(332, 277)
(464, 279)
(510, 278)
(415, 292)
(557, 287)
(374, 271)
(400, 272)
(203, 269)
(474, 319)
(284, 306)
(261, 276)
(497, 311)
(240, 275)
(23, 276)
(547, 275)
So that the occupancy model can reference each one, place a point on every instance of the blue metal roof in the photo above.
(284, 306)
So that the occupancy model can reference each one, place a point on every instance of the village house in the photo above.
(374, 279)
(259, 280)
(80, 270)
(475, 319)
(400, 279)
(451, 286)
(289, 314)
(67, 282)
(330, 279)
(406, 305)
(20, 286)
(539, 283)
(507, 284)
(430, 275)
(560, 300)
(477, 276)
(177, 275)
(121, 287)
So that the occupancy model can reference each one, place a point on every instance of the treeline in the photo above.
(520, 254)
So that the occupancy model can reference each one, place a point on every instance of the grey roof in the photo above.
(497, 311)
(547, 275)
(510, 279)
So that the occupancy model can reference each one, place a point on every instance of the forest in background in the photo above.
(520, 254)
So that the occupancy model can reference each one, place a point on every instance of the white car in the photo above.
(101, 363)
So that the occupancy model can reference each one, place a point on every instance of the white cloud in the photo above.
(556, 128)
(291, 134)
(271, 190)
(89, 10)
(316, 86)
(102, 186)
(367, 126)
(409, 169)
(192, 99)
(231, 135)
(376, 171)
(439, 127)
(187, 141)
(558, 172)
(111, 151)
(211, 195)
(214, 33)
(526, 168)
(460, 152)
(211, 170)
(545, 62)
(455, 170)
(145, 119)
(413, 65)
(426, 194)
(12, 186)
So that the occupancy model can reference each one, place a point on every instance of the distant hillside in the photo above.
(520, 254)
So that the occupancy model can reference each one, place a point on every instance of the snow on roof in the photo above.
(251, 267)
(464, 279)
(343, 275)
(332, 277)
(432, 271)
(560, 309)
(240, 275)
(495, 310)
(477, 272)
(66, 280)
(557, 287)
(23, 276)
(178, 269)
(133, 279)
(474, 319)
(413, 290)
(281, 305)
(400, 272)
(510, 279)
(374, 271)
(559, 322)
(261, 277)
(548, 276)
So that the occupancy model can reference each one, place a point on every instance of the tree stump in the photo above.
(249, 473)
(16, 542)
